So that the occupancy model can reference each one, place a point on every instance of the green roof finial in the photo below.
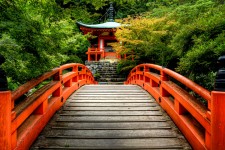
(111, 13)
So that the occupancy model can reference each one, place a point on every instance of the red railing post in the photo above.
(146, 69)
(103, 54)
(42, 108)
(218, 120)
(58, 77)
(163, 77)
(218, 108)
(5, 120)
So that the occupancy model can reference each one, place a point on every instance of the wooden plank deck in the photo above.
(111, 117)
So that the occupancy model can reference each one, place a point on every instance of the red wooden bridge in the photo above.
(130, 116)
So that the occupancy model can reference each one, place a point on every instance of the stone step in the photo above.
(101, 64)
(107, 71)
(112, 79)
(109, 76)
(111, 83)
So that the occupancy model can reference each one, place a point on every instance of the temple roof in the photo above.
(106, 25)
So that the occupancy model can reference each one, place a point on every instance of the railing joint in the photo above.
(160, 99)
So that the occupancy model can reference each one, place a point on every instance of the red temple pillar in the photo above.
(101, 47)
(88, 53)
(103, 54)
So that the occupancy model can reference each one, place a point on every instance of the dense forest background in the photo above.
(184, 35)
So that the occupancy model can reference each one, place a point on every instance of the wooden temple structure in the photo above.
(105, 34)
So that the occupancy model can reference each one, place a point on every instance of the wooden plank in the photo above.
(111, 104)
(111, 98)
(113, 125)
(110, 91)
(110, 143)
(111, 134)
(112, 147)
(110, 101)
(110, 117)
(111, 113)
(111, 95)
(110, 87)
(113, 108)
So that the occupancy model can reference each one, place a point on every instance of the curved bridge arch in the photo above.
(198, 123)
(21, 122)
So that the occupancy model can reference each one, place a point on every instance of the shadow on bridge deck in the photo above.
(110, 117)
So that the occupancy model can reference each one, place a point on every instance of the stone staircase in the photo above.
(106, 71)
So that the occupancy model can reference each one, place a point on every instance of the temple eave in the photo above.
(106, 25)
(96, 29)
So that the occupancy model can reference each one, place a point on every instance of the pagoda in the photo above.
(105, 34)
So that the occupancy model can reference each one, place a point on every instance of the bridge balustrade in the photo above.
(202, 124)
(23, 120)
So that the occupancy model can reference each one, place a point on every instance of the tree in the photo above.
(36, 39)
(188, 38)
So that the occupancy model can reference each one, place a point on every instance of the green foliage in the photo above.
(75, 46)
(147, 40)
(36, 37)
(97, 76)
(125, 66)
(186, 36)
(200, 43)
(12, 84)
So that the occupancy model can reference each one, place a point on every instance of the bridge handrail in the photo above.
(24, 119)
(198, 123)
(204, 93)
(187, 82)
(23, 89)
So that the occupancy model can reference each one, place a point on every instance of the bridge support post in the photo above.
(5, 120)
(218, 108)
(163, 77)
(218, 120)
